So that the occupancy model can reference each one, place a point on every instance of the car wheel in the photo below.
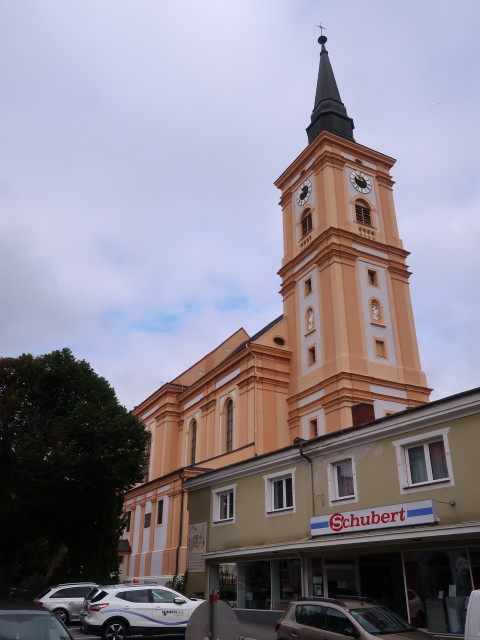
(114, 630)
(61, 615)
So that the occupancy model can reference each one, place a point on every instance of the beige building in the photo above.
(343, 352)
(390, 509)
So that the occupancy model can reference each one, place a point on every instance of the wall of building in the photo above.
(290, 554)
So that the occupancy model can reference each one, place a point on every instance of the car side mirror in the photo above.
(351, 632)
(179, 601)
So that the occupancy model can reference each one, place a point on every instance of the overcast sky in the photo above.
(139, 143)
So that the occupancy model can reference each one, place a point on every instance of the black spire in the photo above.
(329, 113)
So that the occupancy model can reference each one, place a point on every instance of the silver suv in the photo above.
(65, 600)
(118, 611)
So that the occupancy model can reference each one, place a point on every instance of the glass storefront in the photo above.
(429, 587)
(253, 585)
(438, 583)
(260, 584)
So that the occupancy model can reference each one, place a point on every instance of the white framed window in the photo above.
(223, 505)
(342, 480)
(424, 461)
(280, 492)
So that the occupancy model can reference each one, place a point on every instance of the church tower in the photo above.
(344, 278)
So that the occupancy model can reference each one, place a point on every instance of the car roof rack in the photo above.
(321, 599)
(340, 600)
(358, 599)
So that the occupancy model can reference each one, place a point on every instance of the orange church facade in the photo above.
(343, 352)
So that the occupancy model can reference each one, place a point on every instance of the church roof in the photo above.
(329, 112)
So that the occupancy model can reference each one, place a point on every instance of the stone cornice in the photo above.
(328, 144)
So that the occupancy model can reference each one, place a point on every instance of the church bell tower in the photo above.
(344, 278)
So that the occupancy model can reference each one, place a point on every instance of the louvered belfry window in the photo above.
(306, 222)
(363, 214)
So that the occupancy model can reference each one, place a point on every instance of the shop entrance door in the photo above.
(342, 580)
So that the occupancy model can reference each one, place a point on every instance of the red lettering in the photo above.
(336, 522)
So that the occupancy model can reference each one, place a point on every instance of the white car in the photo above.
(115, 612)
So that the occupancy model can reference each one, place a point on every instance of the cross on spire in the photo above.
(321, 27)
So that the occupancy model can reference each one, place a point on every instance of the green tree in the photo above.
(68, 453)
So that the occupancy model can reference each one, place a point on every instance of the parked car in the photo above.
(117, 611)
(472, 621)
(65, 600)
(349, 617)
(27, 620)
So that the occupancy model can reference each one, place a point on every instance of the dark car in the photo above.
(27, 621)
(343, 619)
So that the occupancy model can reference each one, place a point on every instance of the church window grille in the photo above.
(363, 213)
(312, 355)
(306, 222)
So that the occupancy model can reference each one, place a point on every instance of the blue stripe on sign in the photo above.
(419, 512)
(320, 525)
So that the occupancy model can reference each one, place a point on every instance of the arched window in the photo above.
(193, 441)
(148, 453)
(309, 320)
(229, 425)
(306, 223)
(363, 213)
(376, 311)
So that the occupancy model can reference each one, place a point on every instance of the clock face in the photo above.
(360, 181)
(303, 194)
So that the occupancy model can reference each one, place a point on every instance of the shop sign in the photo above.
(393, 515)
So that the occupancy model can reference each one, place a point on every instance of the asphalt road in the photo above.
(79, 635)
(250, 627)
(76, 633)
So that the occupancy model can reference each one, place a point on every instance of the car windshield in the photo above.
(31, 626)
(379, 620)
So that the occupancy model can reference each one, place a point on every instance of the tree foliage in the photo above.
(68, 452)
